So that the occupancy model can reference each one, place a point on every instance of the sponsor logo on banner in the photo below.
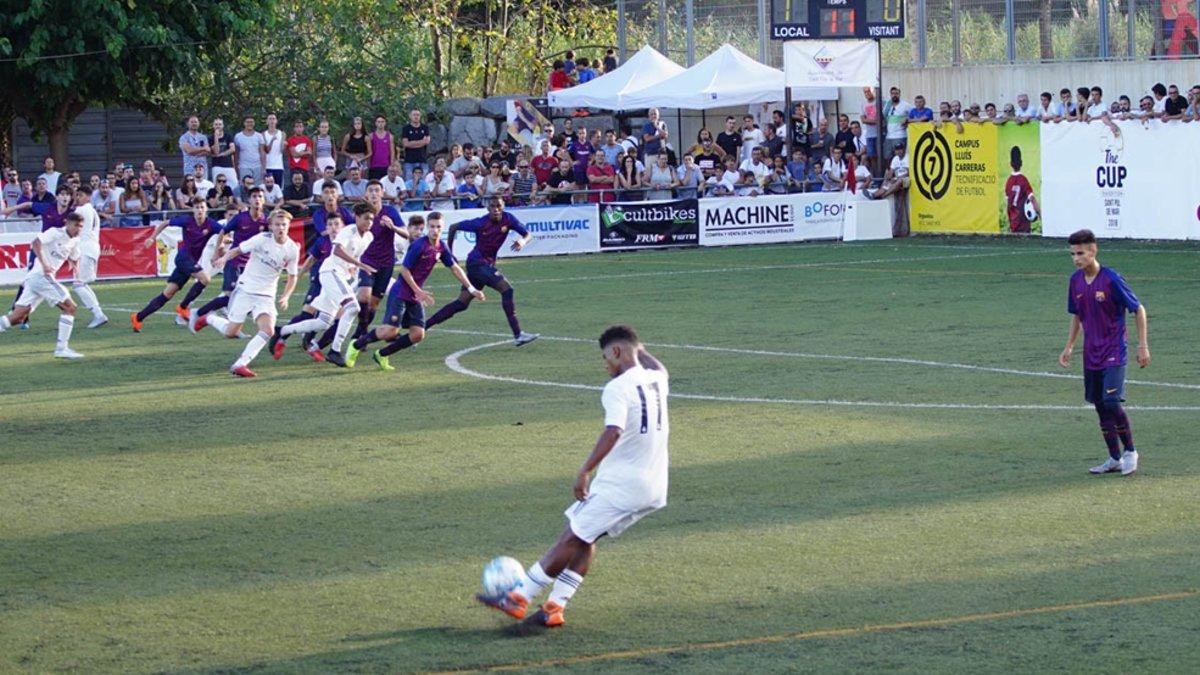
(771, 218)
(556, 230)
(956, 178)
(844, 63)
(648, 224)
(1110, 179)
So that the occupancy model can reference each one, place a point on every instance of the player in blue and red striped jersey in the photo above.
(491, 231)
(1098, 298)
(407, 298)
(381, 255)
(197, 229)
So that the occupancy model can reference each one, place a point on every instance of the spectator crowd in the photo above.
(766, 151)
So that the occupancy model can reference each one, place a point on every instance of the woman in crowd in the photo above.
(495, 184)
(381, 151)
(689, 176)
(326, 151)
(132, 203)
(354, 144)
(186, 192)
(628, 180)
(705, 145)
(660, 178)
(220, 146)
(159, 199)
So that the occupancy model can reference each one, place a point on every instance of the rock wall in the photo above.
(483, 122)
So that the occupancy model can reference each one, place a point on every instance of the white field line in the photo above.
(844, 357)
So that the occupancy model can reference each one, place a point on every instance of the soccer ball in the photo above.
(1031, 213)
(501, 575)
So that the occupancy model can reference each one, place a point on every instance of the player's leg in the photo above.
(1093, 392)
(265, 322)
(1114, 396)
(387, 330)
(17, 316)
(451, 308)
(66, 323)
(183, 309)
(179, 276)
(85, 274)
(508, 302)
(414, 321)
(241, 305)
(229, 277)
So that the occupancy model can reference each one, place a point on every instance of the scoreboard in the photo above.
(834, 19)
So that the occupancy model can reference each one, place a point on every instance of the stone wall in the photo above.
(483, 122)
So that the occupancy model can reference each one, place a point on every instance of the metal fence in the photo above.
(938, 32)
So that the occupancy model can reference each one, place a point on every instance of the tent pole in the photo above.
(879, 110)
(679, 135)
(787, 117)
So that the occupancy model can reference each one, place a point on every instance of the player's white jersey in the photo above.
(634, 474)
(89, 236)
(267, 259)
(57, 248)
(353, 244)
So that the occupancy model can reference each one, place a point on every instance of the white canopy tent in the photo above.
(725, 78)
(643, 70)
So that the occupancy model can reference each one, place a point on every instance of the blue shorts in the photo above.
(185, 267)
(377, 282)
(403, 313)
(314, 289)
(484, 275)
(230, 274)
(1104, 385)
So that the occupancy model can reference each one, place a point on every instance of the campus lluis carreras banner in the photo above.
(959, 180)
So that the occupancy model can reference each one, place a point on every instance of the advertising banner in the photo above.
(556, 230)
(772, 219)
(649, 224)
(831, 63)
(524, 122)
(1020, 177)
(1141, 183)
(14, 256)
(123, 254)
(954, 178)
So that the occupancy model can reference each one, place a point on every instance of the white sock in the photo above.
(5, 324)
(564, 587)
(535, 582)
(89, 298)
(317, 325)
(66, 322)
(253, 347)
(219, 324)
(349, 318)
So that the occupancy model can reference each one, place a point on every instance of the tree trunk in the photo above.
(435, 37)
(537, 71)
(1045, 31)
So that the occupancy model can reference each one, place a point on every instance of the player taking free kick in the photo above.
(1097, 298)
(630, 460)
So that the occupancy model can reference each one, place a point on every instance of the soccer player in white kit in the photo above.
(337, 271)
(89, 255)
(53, 247)
(254, 296)
(630, 459)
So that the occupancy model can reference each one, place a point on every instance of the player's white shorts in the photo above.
(244, 305)
(335, 291)
(597, 515)
(85, 272)
(39, 289)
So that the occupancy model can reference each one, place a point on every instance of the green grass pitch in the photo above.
(157, 514)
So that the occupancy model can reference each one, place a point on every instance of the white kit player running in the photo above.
(630, 459)
(337, 271)
(53, 247)
(89, 255)
(254, 296)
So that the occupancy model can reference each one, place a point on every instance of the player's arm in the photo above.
(1064, 359)
(36, 247)
(647, 360)
(229, 255)
(525, 237)
(450, 235)
(462, 279)
(604, 445)
(388, 222)
(308, 263)
(341, 253)
(1143, 351)
(421, 294)
(288, 289)
(158, 229)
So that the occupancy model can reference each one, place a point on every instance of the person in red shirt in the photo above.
(299, 150)
(558, 77)
(1018, 191)
(544, 163)
(601, 176)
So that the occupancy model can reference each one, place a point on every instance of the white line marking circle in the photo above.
(454, 362)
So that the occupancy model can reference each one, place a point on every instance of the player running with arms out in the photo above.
(630, 460)
(407, 298)
(197, 229)
(381, 255)
(89, 255)
(269, 254)
(337, 271)
(53, 247)
(244, 226)
(490, 233)
(1097, 298)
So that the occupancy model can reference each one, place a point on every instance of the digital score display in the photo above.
(834, 19)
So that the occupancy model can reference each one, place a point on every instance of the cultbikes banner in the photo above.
(772, 219)
(1141, 183)
(954, 177)
(556, 230)
(649, 224)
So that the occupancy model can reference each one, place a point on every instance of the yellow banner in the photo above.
(954, 178)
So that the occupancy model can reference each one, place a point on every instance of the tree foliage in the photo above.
(61, 56)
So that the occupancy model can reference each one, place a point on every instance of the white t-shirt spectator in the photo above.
(1097, 110)
(751, 139)
(1026, 113)
(759, 170)
(729, 179)
(354, 190)
(1160, 104)
(248, 147)
(105, 204)
(273, 195)
(51, 181)
(203, 186)
(895, 121)
(320, 183)
(275, 152)
(899, 166)
(447, 184)
(1044, 112)
(391, 188)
